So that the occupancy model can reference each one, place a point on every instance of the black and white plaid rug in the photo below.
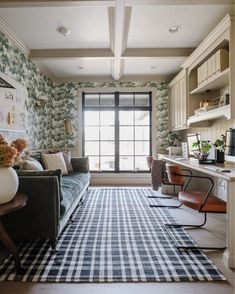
(115, 237)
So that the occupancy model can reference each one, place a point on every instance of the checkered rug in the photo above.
(115, 237)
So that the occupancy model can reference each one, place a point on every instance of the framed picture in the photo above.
(192, 147)
(13, 105)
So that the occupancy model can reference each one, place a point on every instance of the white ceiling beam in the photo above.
(177, 2)
(109, 3)
(57, 54)
(101, 78)
(156, 52)
(56, 3)
(119, 28)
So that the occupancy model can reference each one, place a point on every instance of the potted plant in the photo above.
(220, 148)
(204, 148)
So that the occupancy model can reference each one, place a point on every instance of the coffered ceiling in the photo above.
(110, 39)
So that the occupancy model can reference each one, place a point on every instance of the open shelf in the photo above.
(220, 112)
(215, 82)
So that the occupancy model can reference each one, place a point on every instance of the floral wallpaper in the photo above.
(67, 92)
(46, 125)
(17, 66)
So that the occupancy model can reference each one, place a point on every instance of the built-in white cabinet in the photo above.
(178, 102)
(205, 90)
(210, 77)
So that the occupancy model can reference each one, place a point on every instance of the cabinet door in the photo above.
(179, 105)
(176, 106)
(183, 103)
(172, 110)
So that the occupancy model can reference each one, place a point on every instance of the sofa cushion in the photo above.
(71, 186)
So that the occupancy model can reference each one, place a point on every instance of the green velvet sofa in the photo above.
(52, 199)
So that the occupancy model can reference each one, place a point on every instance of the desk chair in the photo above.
(203, 202)
(158, 170)
(180, 181)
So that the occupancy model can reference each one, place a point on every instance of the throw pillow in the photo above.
(31, 164)
(67, 159)
(55, 161)
(80, 164)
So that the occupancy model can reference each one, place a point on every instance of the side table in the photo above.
(18, 202)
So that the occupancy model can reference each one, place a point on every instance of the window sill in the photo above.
(120, 179)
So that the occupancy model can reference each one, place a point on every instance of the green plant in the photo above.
(203, 151)
(205, 147)
(220, 144)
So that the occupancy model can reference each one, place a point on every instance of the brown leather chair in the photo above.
(164, 182)
(203, 202)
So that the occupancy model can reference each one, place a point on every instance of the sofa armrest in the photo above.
(43, 173)
(40, 217)
(80, 164)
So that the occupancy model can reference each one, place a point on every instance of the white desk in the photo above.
(216, 171)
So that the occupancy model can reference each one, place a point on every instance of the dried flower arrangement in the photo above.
(10, 154)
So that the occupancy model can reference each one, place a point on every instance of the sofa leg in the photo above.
(53, 243)
(70, 221)
(81, 201)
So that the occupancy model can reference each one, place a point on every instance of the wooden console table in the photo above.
(18, 202)
(226, 172)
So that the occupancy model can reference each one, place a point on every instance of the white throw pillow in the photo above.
(32, 164)
(54, 161)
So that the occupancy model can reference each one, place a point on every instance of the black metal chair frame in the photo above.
(164, 197)
(170, 206)
(176, 225)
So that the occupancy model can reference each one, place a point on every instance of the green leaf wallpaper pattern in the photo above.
(46, 127)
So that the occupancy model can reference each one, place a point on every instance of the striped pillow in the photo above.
(54, 161)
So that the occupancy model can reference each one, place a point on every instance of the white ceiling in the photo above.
(164, 66)
(149, 25)
(37, 26)
(92, 27)
(70, 68)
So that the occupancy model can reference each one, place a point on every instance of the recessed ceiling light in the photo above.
(63, 31)
(153, 66)
(174, 29)
(79, 67)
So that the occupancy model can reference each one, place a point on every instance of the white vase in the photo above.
(9, 183)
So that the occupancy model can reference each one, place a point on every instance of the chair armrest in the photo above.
(80, 164)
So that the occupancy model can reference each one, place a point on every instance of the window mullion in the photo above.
(116, 132)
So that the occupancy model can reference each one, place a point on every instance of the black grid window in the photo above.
(117, 131)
